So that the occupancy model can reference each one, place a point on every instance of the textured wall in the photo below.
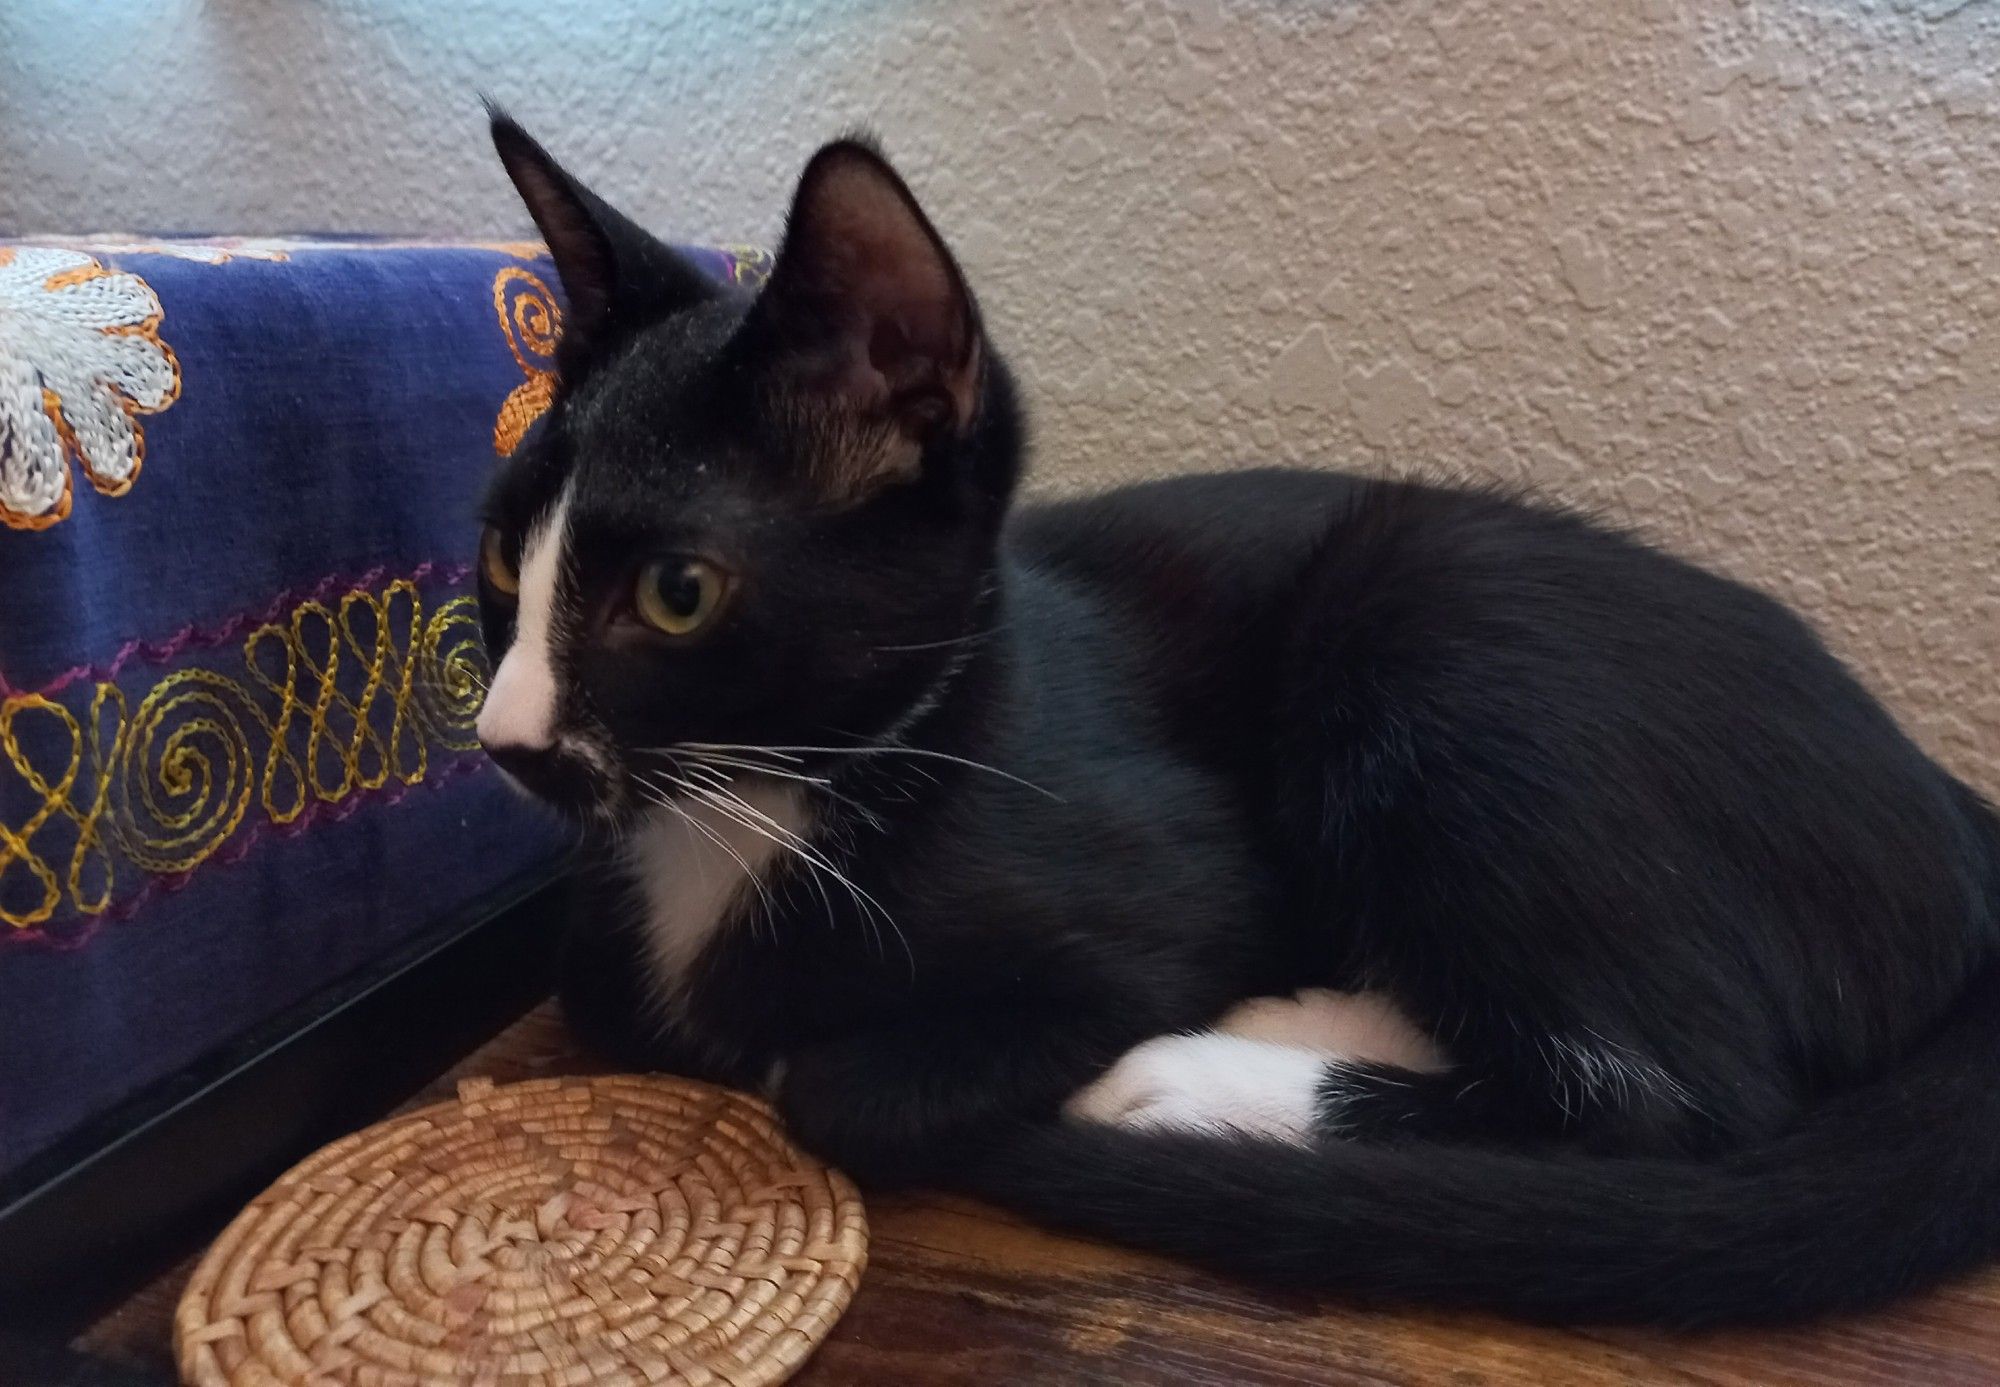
(1730, 270)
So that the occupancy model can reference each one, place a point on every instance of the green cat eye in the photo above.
(680, 595)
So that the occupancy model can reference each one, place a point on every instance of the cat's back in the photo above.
(1476, 673)
(1191, 573)
(1234, 533)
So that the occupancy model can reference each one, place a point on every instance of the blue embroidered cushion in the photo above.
(239, 653)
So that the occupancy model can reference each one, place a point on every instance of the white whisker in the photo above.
(681, 748)
(797, 751)
(756, 880)
(721, 780)
(727, 802)
(819, 783)
(738, 763)
(970, 639)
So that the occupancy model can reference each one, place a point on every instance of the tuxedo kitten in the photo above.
(1411, 892)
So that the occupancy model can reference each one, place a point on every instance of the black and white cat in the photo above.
(1411, 892)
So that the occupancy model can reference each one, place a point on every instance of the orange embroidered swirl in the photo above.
(532, 322)
(529, 316)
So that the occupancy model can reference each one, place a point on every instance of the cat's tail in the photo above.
(1880, 1190)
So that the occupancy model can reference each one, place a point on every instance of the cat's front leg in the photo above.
(908, 1101)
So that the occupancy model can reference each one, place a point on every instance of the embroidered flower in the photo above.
(215, 251)
(80, 359)
(748, 265)
(520, 250)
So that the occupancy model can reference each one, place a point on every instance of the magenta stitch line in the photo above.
(159, 652)
(40, 935)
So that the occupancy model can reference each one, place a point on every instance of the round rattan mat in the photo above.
(577, 1231)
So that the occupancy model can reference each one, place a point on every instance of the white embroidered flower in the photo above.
(205, 250)
(80, 359)
(219, 251)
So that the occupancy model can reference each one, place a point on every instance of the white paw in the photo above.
(1208, 1082)
(1357, 1026)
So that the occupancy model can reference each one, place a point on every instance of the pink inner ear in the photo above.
(909, 341)
(906, 319)
(858, 380)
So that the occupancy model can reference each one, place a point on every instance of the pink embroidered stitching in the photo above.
(188, 638)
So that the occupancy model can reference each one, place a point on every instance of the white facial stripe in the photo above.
(520, 709)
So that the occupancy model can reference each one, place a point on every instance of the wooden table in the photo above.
(957, 1293)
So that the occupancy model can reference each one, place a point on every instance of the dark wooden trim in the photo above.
(86, 1225)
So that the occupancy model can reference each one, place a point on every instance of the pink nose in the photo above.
(519, 712)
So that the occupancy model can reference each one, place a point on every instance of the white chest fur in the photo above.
(700, 870)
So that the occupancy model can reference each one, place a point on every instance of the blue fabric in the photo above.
(237, 679)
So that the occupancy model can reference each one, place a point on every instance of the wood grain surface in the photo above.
(958, 1294)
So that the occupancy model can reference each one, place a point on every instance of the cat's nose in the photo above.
(526, 764)
(520, 708)
(547, 773)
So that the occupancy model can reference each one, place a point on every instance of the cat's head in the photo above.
(744, 521)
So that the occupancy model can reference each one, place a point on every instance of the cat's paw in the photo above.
(1362, 1027)
(1208, 1083)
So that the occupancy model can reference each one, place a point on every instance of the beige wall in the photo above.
(1730, 271)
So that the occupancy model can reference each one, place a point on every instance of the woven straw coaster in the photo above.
(576, 1231)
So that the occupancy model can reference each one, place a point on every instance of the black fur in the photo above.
(1710, 942)
(34, 1360)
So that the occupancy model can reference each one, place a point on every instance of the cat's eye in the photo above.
(500, 572)
(680, 595)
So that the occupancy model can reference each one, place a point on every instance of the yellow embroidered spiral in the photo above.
(187, 773)
(334, 699)
(452, 674)
(52, 798)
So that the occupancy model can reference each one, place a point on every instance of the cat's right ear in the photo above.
(615, 275)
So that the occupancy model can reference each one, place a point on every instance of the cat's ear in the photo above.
(614, 274)
(871, 312)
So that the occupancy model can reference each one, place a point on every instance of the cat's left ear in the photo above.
(870, 311)
(616, 276)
